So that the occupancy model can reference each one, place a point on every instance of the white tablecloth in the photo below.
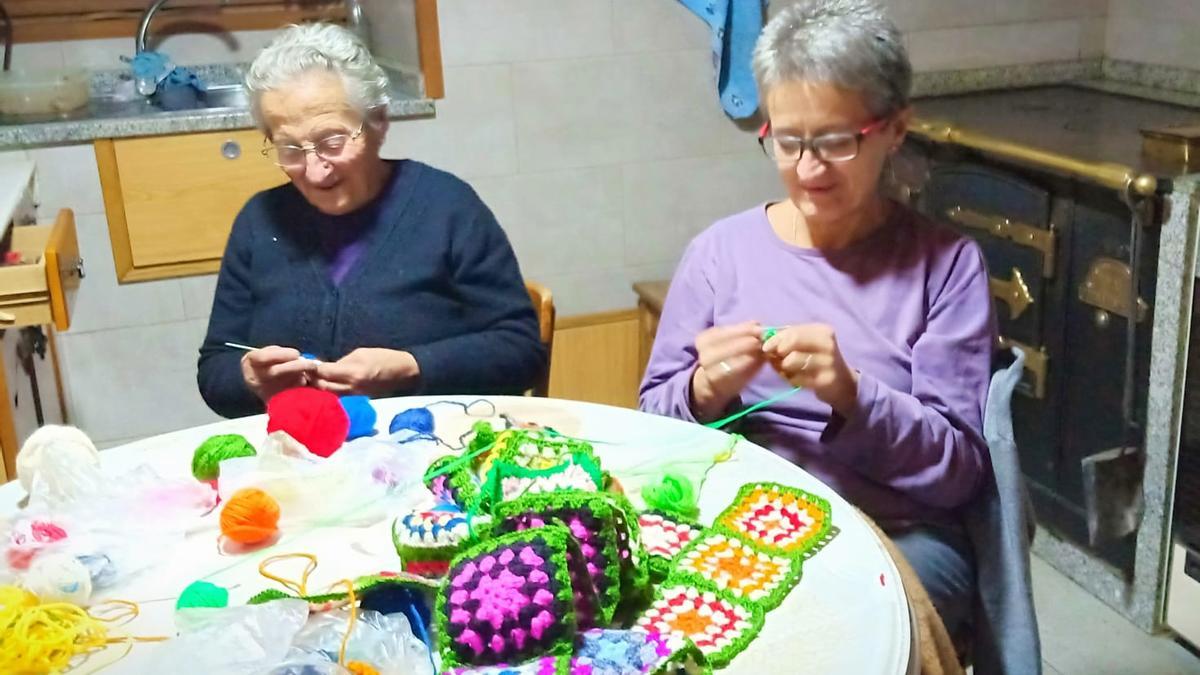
(847, 615)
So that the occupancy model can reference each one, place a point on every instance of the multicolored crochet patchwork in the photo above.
(733, 565)
(509, 599)
(547, 665)
(457, 487)
(507, 480)
(610, 652)
(592, 520)
(778, 519)
(632, 652)
(662, 538)
(719, 626)
(427, 540)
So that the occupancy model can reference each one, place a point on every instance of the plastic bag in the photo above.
(386, 642)
(359, 485)
(138, 499)
(240, 640)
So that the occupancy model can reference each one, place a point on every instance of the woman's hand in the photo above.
(729, 358)
(369, 371)
(272, 369)
(808, 356)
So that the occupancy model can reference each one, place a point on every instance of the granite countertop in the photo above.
(111, 113)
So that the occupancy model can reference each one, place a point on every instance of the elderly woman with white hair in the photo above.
(395, 276)
(882, 317)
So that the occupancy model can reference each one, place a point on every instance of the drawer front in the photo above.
(180, 194)
(37, 292)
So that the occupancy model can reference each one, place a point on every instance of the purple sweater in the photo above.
(911, 309)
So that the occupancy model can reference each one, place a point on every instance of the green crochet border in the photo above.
(815, 542)
(687, 659)
(564, 447)
(461, 481)
(637, 588)
(557, 539)
(552, 506)
(677, 575)
(361, 585)
(493, 486)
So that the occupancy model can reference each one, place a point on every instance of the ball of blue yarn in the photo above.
(362, 416)
(419, 420)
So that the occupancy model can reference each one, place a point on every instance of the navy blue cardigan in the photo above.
(437, 279)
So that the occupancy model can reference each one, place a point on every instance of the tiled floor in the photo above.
(1082, 636)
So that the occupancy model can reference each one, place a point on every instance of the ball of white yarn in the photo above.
(65, 442)
(59, 577)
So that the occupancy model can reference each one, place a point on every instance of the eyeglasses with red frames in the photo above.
(833, 147)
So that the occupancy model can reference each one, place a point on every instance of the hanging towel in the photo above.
(735, 26)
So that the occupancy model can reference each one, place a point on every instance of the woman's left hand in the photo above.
(808, 356)
(368, 371)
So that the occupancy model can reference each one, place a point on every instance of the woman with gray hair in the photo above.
(361, 275)
(883, 318)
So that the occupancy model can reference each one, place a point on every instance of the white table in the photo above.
(848, 614)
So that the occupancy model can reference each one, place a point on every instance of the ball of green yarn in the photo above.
(203, 594)
(672, 495)
(207, 458)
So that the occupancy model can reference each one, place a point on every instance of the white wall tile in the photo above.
(914, 15)
(603, 290)
(687, 122)
(1149, 40)
(507, 31)
(198, 295)
(473, 134)
(37, 55)
(563, 222)
(100, 53)
(657, 25)
(134, 382)
(199, 48)
(610, 110)
(100, 303)
(67, 178)
(1175, 11)
(667, 203)
(1093, 37)
(572, 114)
(984, 46)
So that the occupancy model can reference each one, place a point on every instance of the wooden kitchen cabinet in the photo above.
(35, 299)
(171, 200)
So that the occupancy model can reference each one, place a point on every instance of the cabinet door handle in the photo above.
(1013, 293)
(1017, 232)
(231, 149)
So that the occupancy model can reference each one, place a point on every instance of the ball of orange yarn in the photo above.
(251, 516)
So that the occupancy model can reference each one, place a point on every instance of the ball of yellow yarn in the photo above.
(251, 516)
(43, 638)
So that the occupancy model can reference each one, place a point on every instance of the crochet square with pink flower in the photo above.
(508, 599)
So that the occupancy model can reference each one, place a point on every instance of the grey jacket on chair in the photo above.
(1000, 525)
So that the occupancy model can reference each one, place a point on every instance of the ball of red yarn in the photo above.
(313, 417)
(251, 516)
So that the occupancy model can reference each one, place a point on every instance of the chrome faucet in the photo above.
(144, 24)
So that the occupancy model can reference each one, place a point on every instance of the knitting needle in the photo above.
(248, 348)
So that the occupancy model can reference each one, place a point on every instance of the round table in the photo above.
(848, 613)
